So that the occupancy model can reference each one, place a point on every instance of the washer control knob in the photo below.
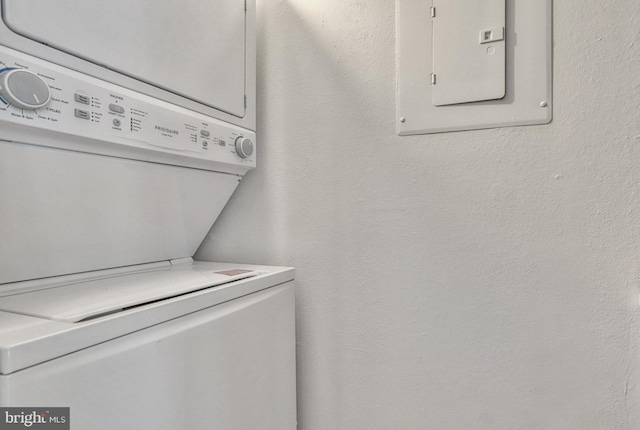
(244, 147)
(24, 89)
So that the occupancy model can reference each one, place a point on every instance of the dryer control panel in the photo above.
(48, 105)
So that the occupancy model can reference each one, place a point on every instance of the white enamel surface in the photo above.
(79, 301)
(71, 212)
(58, 281)
(193, 48)
(230, 366)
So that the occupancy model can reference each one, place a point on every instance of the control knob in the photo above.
(244, 147)
(24, 89)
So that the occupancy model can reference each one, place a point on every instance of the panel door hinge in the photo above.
(245, 5)
(433, 12)
(433, 79)
(245, 102)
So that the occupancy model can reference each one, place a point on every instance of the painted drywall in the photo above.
(471, 280)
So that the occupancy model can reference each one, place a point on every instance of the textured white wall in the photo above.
(474, 280)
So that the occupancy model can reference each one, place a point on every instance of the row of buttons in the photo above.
(85, 100)
(83, 114)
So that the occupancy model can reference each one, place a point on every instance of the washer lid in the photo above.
(192, 48)
(27, 340)
(88, 300)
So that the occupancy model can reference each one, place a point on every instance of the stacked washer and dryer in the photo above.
(125, 126)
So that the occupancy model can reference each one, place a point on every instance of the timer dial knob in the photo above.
(244, 147)
(24, 89)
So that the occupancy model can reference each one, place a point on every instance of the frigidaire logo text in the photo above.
(167, 130)
(37, 418)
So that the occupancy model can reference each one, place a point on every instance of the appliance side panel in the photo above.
(233, 365)
(67, 212)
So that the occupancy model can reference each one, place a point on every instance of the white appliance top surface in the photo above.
(86, 300)
(189, 47)
(37, 326)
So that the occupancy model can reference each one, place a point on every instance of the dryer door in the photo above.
(192, 48)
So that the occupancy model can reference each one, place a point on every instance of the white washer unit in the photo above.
(125, 126)
(175, 345)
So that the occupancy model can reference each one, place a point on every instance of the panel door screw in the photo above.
(403, 119)
(543, 104)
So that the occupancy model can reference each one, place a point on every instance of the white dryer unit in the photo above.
(125, 127)
(193, 53)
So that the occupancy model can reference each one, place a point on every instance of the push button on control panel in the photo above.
(116, 108)
(205, 133)
(83, 114)
(82, 98)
